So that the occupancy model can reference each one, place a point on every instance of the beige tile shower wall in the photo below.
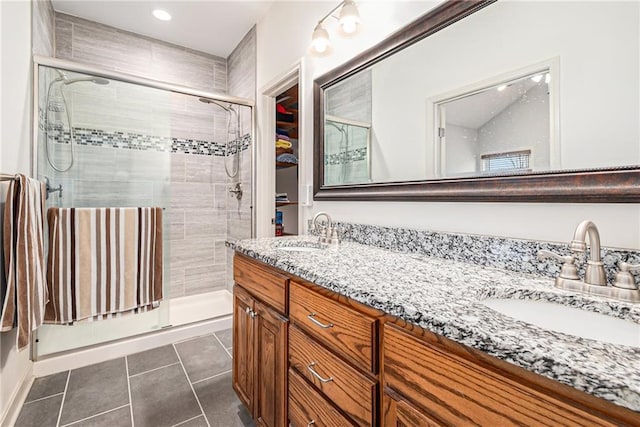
(242, 82)
(117, 50)
(200, 214)
(195, 194)
(42, 27)
(241, 65)
(197, 224)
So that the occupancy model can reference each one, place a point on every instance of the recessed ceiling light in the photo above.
(162, 15)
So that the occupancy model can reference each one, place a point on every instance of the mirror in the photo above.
(540, 108)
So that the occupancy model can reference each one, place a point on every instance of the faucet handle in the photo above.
(568, 270)
(624, 278)
(333, 236)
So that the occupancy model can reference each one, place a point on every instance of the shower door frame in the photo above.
(141, 81)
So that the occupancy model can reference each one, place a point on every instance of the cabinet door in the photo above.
(400, 413)
(271, 363)
(243, 348)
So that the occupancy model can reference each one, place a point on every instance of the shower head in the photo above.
(96, 80)
(213, 101)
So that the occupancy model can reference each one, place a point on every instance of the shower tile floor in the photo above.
(185, 384)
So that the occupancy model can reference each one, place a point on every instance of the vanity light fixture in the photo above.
(348, 19)
(162, 15)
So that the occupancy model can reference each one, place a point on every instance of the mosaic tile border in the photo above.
(349, 156)
(516, 255)
(136, 141)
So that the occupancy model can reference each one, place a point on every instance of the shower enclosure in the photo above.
(104, 139)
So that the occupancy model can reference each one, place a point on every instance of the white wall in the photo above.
(15, 129)
(619, 224)
(462, 150)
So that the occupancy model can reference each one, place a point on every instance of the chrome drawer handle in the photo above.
(317, 375)
(322, 325)
(312, 422)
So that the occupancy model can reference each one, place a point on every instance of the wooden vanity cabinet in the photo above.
(333, 351)
(343, 363)
(260, 337)
(448, 384)
(400, 413)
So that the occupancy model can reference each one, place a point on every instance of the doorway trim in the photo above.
(265, 182)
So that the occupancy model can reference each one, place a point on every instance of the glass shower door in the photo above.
(103, 143)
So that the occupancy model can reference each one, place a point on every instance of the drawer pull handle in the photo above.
(322, 325)
(317, 375)
(312, 422)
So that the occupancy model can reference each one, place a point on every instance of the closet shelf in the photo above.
(283, 165)
(287, 124)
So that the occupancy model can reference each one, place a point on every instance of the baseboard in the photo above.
(95, 354)
(10, 416)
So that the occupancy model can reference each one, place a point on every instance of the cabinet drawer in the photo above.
(262, 282)
(308, 407)
(353, 392)
(458, 391)
(342, 329)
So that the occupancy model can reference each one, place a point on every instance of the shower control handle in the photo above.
(236, 190)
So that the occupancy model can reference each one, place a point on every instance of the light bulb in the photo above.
(501, 88)
(349, 17)
(537, 78)
(162, 15)
(547, 78)
(320, 39)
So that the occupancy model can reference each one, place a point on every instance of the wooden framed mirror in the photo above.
(587, 82)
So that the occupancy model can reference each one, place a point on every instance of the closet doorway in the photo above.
(286, 162)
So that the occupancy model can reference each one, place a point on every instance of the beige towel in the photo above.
(26, 293)
(103, 262)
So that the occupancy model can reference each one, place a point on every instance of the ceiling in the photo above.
(210, 26)
(476, 110)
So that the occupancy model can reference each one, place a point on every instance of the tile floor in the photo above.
(184, 384)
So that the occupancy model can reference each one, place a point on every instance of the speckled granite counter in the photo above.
(443, 296)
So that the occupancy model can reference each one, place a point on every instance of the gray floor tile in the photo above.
(196, 422)
(95, 389)
(220, 403)
(162, 398)
(47, 386)
(203, 357)
(151, 359)
(118, 418)
(226, 337)
(43, 413)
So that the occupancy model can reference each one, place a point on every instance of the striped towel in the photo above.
(103, 262)
(26, 293)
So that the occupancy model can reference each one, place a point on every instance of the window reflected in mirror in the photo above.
(501, 129)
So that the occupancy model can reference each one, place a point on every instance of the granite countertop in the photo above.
(444, 297)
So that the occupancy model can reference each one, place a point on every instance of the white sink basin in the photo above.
(569, 320)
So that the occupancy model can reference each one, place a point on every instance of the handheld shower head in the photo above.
(212, 101)
(96, 80)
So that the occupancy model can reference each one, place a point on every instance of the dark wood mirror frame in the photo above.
(613, 185)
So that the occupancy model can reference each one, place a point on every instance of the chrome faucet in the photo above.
(328, 233)
(595, 279)
(594, 271)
